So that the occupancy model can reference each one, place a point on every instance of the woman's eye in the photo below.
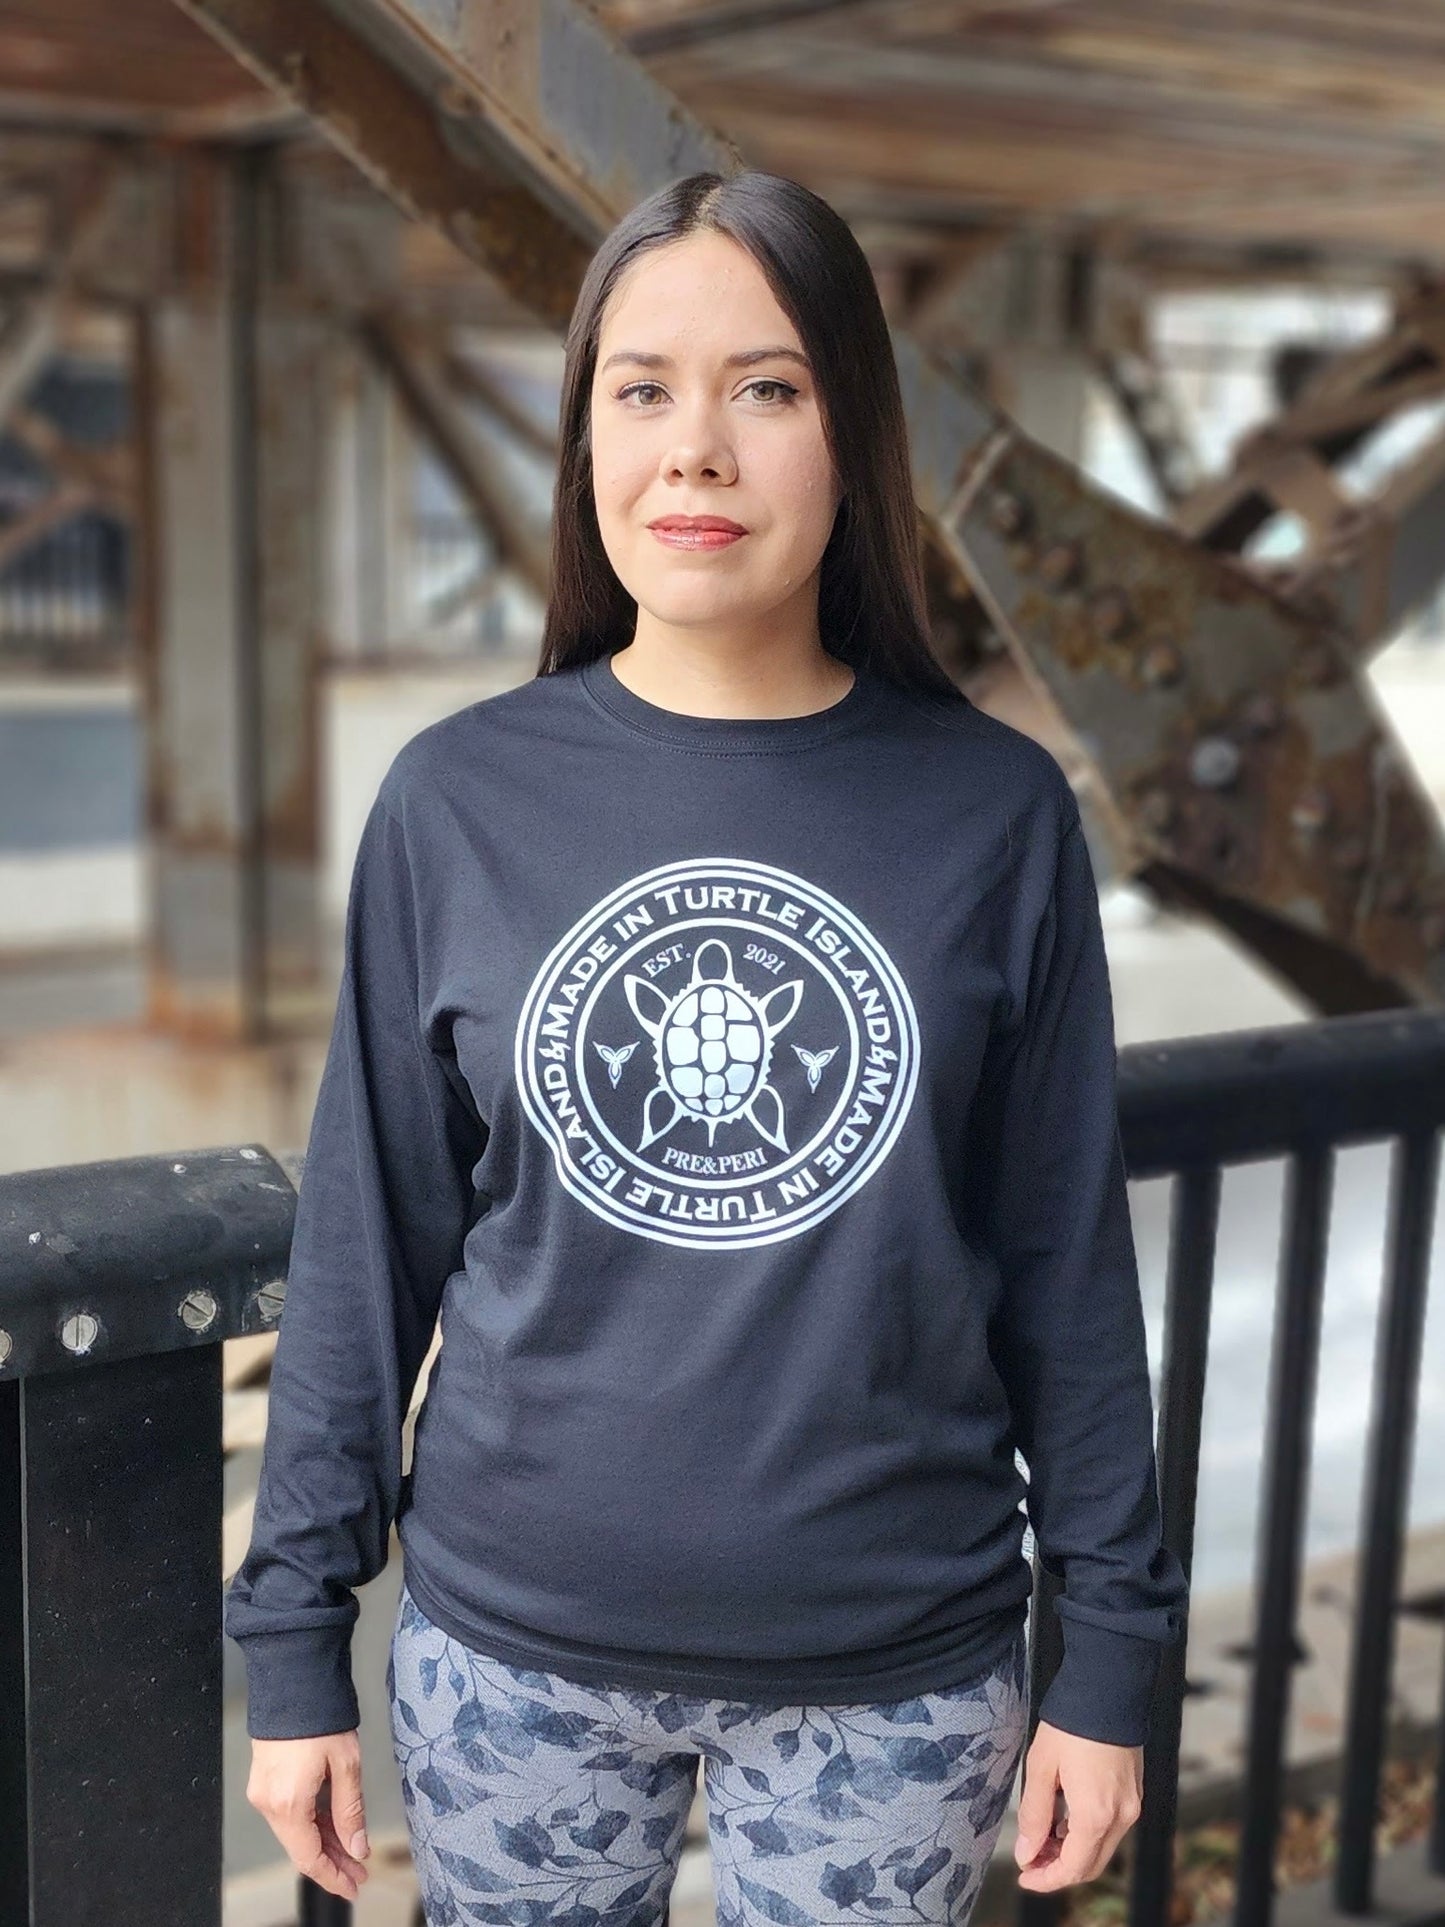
(785, 390)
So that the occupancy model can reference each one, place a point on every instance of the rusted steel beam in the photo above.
(69, 499)
(481, 385)
(104, 475)
(1137, 386)
(417, 372)
(435, 144)
(1248, 770)
(231, 428)
(1367, 564)
(85, 213)
(1256, 778)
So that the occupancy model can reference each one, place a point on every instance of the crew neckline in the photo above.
(726, 735)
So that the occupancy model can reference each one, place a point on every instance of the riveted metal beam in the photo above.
(230, 414)
(1255, 775)
(419, 374)
(1367, 563)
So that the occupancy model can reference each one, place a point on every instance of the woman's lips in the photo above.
(699, 538)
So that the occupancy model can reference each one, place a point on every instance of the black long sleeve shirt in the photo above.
(740, 1094)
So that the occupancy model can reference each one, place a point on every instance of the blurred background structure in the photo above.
(282, 284)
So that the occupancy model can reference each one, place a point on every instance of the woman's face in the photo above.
(689, 419)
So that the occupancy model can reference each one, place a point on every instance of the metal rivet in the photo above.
(1349, 854)
(7, 1345)
(1310, 811)
(455, 102)
(35, 1237)
(1156, 809)
(1161, 665)
(1214, 762)
(248, 1152)
(1110, 613)
(80, 1332)
(178, 1167)
(270, 1298)
(198, 1310)
(1262, 713)
(1319, 664)
(1006, 513)
(1059, 566)
(296, 72)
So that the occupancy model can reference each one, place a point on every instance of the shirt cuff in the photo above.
(1104, 1687)
(299, 1685)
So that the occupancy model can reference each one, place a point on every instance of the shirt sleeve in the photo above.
(381, 1218)
(1068, 1335)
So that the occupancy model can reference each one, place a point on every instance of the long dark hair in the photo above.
(871, 600)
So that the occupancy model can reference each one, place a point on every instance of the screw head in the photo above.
(198, 1310)
(270, 1298)
(79, 1332)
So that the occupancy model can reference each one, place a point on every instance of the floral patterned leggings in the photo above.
(533, 1798)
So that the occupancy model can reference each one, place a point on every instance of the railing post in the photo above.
(118, 1281)
(1414, 1176)
(1188, 1299)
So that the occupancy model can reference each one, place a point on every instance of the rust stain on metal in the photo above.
(1227, 727)
(408, 145)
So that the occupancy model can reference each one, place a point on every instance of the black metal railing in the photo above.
(118, 1280)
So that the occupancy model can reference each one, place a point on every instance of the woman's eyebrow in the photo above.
(744, 358)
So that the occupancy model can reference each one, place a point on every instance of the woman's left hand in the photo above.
(1080, 1798)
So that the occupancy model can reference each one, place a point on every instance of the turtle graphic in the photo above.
(714, 1047)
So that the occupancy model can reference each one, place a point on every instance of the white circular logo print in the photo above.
(719, 1054)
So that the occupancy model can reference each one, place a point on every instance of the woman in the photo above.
(724, 1050)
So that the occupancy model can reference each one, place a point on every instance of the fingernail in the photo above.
(359, 1845)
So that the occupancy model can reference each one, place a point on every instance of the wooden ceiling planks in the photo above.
(1199, 129)
(140, 67)
(1295, 124)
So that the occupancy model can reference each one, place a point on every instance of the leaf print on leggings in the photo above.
(534, 1798)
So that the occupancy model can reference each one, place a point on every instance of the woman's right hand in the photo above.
(309, 1792)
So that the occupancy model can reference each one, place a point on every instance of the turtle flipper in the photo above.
(780, 1006)
(649, 1006)
(659, 1098)
(765, 1108)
